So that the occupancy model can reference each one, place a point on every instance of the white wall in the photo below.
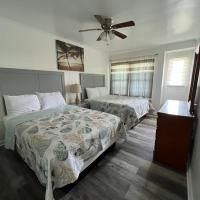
(158, 73)
(28, 48)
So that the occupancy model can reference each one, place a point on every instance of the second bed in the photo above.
(129, 109)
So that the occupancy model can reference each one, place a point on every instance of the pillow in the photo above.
(50, 100)
(103, 91)
(17, 105)
(92, 93)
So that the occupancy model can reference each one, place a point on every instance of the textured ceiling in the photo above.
(157, 21)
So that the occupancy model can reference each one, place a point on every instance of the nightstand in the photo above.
(82, 104)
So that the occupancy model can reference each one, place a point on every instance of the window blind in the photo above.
(178, 67)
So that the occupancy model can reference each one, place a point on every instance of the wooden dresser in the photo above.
(173, 135)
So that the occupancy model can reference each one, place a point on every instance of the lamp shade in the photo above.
(76, 88)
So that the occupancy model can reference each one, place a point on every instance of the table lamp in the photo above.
(76, 88)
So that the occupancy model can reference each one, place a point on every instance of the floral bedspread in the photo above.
(56, 146)
(129, 109)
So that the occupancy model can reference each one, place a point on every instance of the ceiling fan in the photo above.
(108, 28)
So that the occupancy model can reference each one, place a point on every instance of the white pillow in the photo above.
(17, 105)
(103, 91)
(50, 100)
(92, 93)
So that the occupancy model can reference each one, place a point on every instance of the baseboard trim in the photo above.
(189, 185)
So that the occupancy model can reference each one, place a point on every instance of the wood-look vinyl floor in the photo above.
(125, 172)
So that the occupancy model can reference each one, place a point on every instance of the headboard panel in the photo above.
(20, 81)
(91, 81)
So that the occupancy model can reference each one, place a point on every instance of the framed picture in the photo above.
(69, 57)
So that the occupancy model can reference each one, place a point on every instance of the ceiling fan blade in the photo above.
(123, 24)
(99, 18)
(90, 29)
(121, 35)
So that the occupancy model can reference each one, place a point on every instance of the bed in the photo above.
(129, 109)
(56, 143)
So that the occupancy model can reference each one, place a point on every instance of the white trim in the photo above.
(180, 50)
(189, 185)
(132, 58)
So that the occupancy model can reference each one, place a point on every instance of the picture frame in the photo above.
(69, 57)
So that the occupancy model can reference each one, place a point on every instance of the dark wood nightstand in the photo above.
(82, 104)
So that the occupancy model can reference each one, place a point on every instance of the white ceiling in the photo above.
(157, 21)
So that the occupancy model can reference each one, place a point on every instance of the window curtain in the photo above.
(133, 78)
(119, 79)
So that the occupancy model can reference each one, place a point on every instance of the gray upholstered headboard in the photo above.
(19, 81)
(90, 81)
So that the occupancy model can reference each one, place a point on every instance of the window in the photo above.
(133, 78)
(178, 68)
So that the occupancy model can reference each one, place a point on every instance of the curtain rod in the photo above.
(133, 58)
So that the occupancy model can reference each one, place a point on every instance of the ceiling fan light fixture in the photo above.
(103, 36)
(111, 35)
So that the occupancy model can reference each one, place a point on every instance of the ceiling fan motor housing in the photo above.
(106, 25)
